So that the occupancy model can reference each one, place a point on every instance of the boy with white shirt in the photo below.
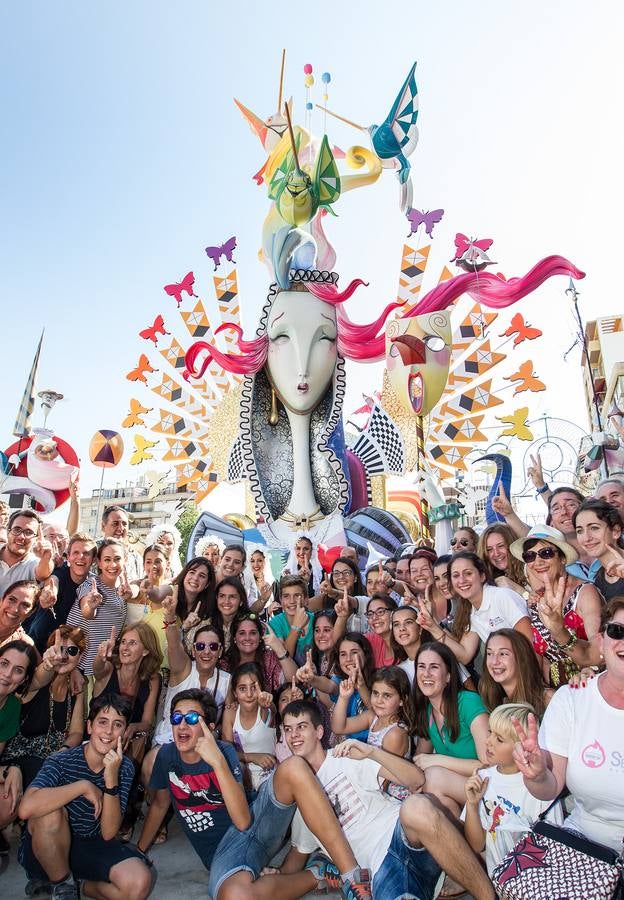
(403, 845)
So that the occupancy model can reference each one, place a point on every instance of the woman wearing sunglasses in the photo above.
(465, 538)
(52, 717)
(599, 527)
(565, 612)
(580, 744)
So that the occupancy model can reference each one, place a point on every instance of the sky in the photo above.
(123, 156)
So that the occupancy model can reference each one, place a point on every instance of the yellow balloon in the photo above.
(308, 80)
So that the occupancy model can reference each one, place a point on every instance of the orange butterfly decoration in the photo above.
(527, 378)
(134, 416)
(141, 370)
(151, 333)
(522, 331)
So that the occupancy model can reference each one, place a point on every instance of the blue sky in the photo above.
(123, 156)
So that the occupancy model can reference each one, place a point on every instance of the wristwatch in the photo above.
(112, 791)
(284, 655)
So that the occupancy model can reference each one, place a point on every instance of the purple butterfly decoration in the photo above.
(227, 249)
(416, 218)
(525, 855)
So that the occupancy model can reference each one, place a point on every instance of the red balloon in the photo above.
(327, 556)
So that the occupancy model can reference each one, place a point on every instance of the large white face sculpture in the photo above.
(302, 349)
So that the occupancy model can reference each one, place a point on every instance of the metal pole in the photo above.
(97, 515)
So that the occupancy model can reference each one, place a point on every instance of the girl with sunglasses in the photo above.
(599, 527)
(465, 539)
(580, 744)
(52, 717)
(565, 612)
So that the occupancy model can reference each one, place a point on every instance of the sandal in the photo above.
(161, 837)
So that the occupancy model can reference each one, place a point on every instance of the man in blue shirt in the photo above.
(74, 809)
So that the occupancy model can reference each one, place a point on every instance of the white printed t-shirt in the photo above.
(500, 608)
(507, 811)
(367, 816)
(583, 727)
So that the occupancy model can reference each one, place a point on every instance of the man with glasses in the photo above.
(115, 525)
(25, 556)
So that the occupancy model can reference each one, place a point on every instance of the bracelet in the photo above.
(286, 653)
(543, 489)
(167, 624)
(569, 643)
(295, 628)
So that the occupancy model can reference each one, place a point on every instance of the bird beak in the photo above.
(255, 123)
(412, 349)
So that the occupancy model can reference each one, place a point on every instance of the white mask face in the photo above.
(302, 349)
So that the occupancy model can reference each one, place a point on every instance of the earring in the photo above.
(273, 415)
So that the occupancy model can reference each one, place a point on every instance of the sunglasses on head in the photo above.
(70, 651)
(191, 718)
(212, 645)
(615, 631)
(461, 541)
(530, 556)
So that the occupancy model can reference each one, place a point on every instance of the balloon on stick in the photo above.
(105, 451)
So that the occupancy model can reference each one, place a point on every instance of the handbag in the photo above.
(552, 863)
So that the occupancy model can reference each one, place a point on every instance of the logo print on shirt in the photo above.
(593, 755)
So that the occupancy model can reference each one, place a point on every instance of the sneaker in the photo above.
(325, 872)
(359, 888)
(66, 890)
(36, 887)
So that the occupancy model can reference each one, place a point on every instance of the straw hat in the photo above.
(551, 536)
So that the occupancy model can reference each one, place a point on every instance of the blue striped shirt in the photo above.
(70, 766)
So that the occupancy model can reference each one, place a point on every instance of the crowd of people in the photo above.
(387, 729)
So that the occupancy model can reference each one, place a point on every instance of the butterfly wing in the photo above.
(149, 334)
(404, 114)
(159, 325)
(187, 284)
(483, 244)
(229, 247)
(142, 446)
(462, 243)
(175, 291)
(279, 177)
(326, 175)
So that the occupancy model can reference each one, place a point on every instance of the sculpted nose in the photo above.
(412, 350)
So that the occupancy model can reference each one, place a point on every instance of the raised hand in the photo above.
(342, 608)
(74, 485)
(550, 604)
(192, 619)
(347, 686)
(265, 699)
(501, 504)
(614, 567)
(168, 605)
(48, 594)
(106, 648)
(475, 788)
(358, 676)
(112, 761)
(124, 588)
(295, 692)
(527, 753)
(306, 673)
(207, 746)
(266, 589)
(94, 599)
(535, 472)
(53, 657)
(300, 619)
(43, 549)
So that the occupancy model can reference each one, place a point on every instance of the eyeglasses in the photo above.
(201, 645)
(191, 718)
(615, 631)
(28, 533)
(377, 613)
(342, 573)
(70, 651)
(530, 556)
(463, 542)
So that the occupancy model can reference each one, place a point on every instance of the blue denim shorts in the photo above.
(252, 850)
(406, 871)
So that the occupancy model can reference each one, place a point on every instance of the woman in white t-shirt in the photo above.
(580, 744)
(481, 608)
